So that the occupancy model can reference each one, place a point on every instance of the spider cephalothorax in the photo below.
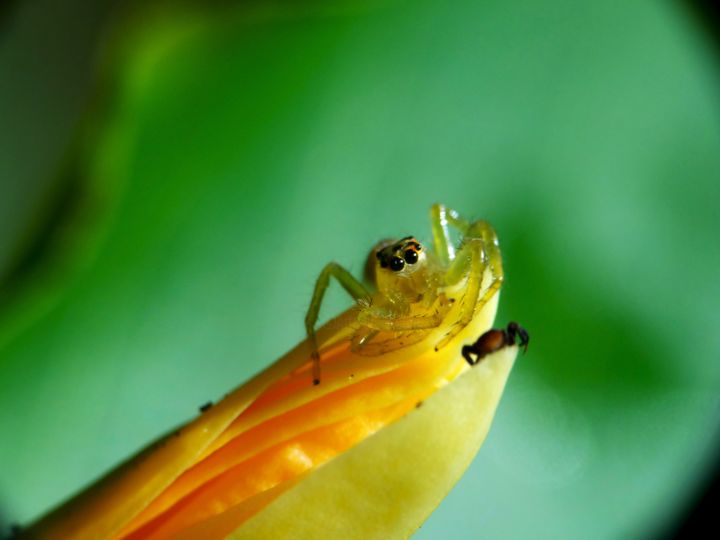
(410, 296)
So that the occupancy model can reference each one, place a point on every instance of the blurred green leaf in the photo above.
(254, 145)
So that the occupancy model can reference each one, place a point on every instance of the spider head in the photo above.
(401, 257)
(392, 260)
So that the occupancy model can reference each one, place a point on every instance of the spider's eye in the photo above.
(411, 256)
(396, 264)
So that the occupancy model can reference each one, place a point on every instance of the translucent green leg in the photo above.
(400, 324)
(479, 250)
(353, 287)
(384, 331)
(440, 217)
(470, 262)
(482, 229)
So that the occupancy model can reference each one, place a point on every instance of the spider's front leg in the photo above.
(478, 251)
(493, 258)
(353, 287)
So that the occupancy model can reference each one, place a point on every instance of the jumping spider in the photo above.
(410, 282)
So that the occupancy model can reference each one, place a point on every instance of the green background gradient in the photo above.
(216, 158)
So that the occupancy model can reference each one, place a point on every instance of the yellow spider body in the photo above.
(415, 287)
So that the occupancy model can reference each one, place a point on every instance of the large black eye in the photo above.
(396, 264)
(411, 256)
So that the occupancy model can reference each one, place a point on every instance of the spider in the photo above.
(410, 286)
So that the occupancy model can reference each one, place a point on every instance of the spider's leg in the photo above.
(362, 337)
(482, 229)
(388, 328)
(386, 323)
(441, 217)
(385, 332)
(479, 251)
(353, 287)
(470, 263)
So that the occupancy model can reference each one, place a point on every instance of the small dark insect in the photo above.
(205, 407)
(494, 340)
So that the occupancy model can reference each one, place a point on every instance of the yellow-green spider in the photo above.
(411, 285)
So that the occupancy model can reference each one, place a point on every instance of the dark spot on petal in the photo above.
(205, 407)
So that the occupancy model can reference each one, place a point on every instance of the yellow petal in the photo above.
(279, 455)
(386, 486)
(109, 504)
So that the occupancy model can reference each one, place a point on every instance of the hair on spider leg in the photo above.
(494, 340)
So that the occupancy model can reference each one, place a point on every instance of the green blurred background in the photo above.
(173, 176)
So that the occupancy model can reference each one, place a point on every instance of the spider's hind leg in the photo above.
(479, 251)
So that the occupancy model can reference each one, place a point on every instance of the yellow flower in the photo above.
(368, 453)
